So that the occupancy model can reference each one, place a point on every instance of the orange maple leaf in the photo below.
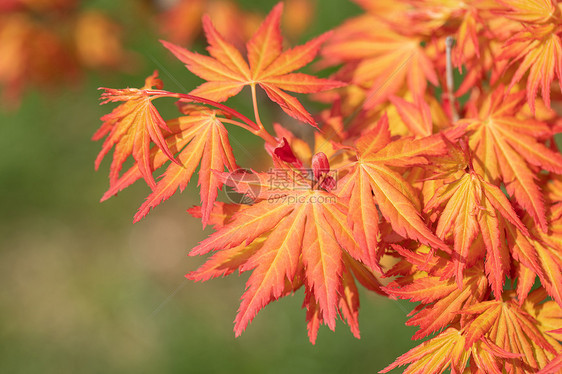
(448, 350)
(548, 316)
(157, 159)
(472, 208)
(199, 138)
(510, 327)
(381, 59)
(537, 47)
(226, 71)
(289, 234)
(208, 145)
(544, 250)
(553, 366)
(533, 11)
(416, 116)
(441, 299)
(131, 127)
(507, 148)
(372, 185)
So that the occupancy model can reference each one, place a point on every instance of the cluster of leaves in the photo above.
(404, 188)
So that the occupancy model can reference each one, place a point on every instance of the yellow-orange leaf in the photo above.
(131, 127)
(441, 299)
(507, 148)
(473, 206)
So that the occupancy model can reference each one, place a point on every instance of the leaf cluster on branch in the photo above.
(410, 187)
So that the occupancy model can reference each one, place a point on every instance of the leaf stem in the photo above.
(198, 99)
(270, 139)
(239, 124)
(255, 104)
(262, 134)
(262, 131)
(247, 124)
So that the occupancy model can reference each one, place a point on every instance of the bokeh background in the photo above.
(83, 290)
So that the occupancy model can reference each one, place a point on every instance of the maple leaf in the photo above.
(296, 232)
(416, 116)
(220, 214)
(536, 47)
(534, 11)
(553, 188)
(348, 304)
(542, 59)
(372, 185)
(448, 350)
(507, 148)
(269, 66)
(381, 59)
(201, 139)
(512, 329)
(411, 262)
(544, 249)
(131, 127)
(554, 366)
(208, 145)
(157, 158)
(472, 207)
(441, 299)
(548, 315)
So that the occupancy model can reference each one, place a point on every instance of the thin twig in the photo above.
(449, 42)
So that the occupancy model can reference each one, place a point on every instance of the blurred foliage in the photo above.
(85, 291)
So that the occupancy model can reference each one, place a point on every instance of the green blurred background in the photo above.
(83, 290)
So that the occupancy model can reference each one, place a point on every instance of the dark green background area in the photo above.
(83, 290)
